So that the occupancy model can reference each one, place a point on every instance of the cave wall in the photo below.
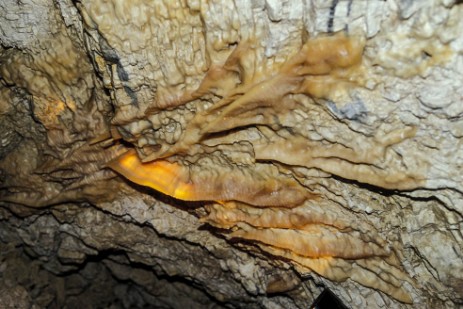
(241, 154)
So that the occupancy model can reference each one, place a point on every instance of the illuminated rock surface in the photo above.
(239, 154)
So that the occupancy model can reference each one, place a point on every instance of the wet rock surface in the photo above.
(193, 154)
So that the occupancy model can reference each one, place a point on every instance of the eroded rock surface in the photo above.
(291, 146)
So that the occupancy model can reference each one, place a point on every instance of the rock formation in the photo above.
(239, 154)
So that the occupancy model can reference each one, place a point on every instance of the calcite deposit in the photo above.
(239, 154)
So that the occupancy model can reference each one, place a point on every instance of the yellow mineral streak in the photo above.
(256, 187)
(161, 176)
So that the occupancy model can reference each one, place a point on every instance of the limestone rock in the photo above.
(239, 154)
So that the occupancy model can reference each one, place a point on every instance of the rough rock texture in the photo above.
(291, 146)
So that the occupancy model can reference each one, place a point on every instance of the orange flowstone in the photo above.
(162, 176)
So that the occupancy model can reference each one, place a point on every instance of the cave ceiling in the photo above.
(287, 146)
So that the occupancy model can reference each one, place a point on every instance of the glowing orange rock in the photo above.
(257, 187)
(162, 176)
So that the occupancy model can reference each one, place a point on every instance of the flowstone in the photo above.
(241, 154)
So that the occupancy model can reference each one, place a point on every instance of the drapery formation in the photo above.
(317, 139)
